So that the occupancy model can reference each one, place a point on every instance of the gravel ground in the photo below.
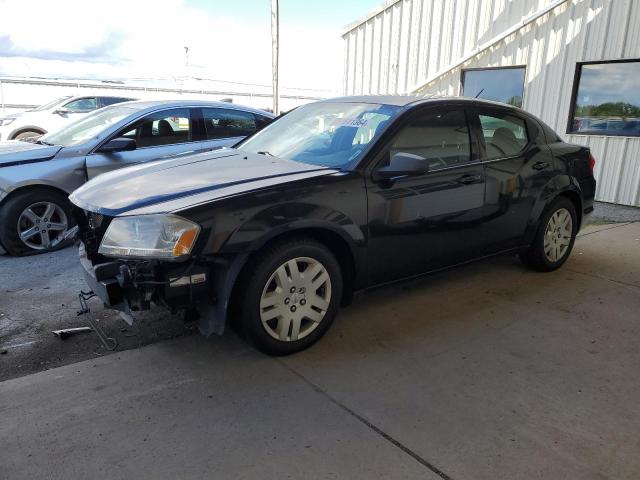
(38, 294)
(611, 213)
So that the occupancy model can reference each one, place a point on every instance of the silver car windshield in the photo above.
(324, 133)
(88, 127)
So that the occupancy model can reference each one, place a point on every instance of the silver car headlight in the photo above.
(6, 121)
(166, 237)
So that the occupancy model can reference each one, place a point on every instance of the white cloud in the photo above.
(124, 39)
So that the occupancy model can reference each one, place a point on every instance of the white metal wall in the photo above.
(405, 44)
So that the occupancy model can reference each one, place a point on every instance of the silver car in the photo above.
(36, 178)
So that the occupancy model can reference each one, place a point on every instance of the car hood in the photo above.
(170, 185)
(15, 152)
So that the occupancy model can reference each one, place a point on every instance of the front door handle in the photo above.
(541, 165)
(468, 179)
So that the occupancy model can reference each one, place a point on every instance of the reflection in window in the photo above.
(607, 100)
(227, 123)
(503, 137)
(504, 85)
(441, 138)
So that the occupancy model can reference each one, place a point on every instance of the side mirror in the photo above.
(402, 165)
(62, 111)
(120, 144)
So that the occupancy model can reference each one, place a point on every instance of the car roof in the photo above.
(140, 105)
(407, 100)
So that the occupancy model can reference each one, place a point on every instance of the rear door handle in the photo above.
(541, 165)
(467, 179)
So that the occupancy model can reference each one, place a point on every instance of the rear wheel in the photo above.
(291, 295)
(28, 134)
(34, 221)
(554, 238)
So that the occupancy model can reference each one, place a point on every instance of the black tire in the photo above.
(11, 210)
(254, 281)
(27, 134)
(535, 257)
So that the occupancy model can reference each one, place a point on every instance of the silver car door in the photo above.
(159, 135)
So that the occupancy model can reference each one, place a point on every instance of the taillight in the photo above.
(592, 162)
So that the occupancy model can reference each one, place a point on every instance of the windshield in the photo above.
(47, 106)
(325, 134)
(90, 126)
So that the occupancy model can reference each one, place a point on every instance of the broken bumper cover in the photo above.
(103, 280)
(133, 286)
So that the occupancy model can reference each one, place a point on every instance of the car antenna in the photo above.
(479, 93)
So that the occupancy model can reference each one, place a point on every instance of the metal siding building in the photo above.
(423, 46)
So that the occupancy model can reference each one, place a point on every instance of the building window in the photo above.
(606, 99)
(504, 85)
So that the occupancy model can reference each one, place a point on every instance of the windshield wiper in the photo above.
(41, 142)
(266, 153)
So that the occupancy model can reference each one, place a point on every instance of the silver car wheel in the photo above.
(295, 299)
(42, 225)
(557, 236)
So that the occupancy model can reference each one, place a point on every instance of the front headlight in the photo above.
(6, 121)
(149, 236)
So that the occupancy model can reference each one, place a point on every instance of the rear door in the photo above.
(424, 222)
(158, 135)
(518, 164)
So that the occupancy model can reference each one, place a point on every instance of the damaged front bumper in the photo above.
(132, 285)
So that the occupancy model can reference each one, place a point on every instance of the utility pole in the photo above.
(275, 41)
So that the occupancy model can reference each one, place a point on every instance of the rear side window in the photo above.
(223, 123)
(113, 100)
(441, 138)
(504, 136)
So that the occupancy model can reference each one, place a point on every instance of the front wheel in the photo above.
(292, 292)
(34, 222)
(554, 238)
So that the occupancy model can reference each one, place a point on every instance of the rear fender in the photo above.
(556, 186)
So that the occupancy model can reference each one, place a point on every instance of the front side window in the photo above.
(227, 123)
(504, 85)
(88, 127)
(82, 105)
(161, 128)
(606, 100)
(331, 134)
(504, 136)
(441, 138)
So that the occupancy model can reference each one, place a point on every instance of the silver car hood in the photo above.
(15, 152)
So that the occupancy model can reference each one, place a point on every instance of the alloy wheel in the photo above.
(42, 225)
(295, 299)
(557, 235)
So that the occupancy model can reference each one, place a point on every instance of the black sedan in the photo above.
(335, 197)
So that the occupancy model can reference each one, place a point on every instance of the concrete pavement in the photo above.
(489, 371)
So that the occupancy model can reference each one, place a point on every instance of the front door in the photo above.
(429, 221)
(159, 135)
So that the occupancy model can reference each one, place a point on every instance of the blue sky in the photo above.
(329, 12)
(227, 40)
